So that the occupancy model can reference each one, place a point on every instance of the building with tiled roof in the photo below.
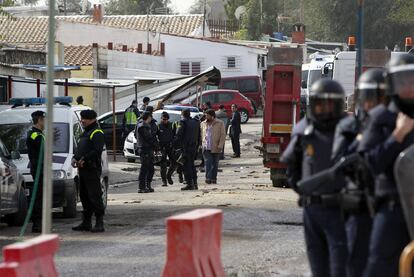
(32, 31)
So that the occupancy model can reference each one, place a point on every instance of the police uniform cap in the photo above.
(37, 114)
(88, 114)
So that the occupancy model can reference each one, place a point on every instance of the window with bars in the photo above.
(190, 68)
(231, 62)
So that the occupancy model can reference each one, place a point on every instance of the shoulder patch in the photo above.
(310, 151)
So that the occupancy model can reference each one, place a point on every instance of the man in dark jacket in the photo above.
(235, 131)
(146, 143)
(89, 163)
(130, 119)
(34, 142)
(188, 135)
(165, 136)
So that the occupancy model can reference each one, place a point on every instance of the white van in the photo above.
(14, 125)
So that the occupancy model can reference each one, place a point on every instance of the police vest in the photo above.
(130, 116)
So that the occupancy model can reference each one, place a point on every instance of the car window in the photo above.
(77, 132)
(229, 84)
(4, 153)
(248, 85)
(109, 119)
(225, 97)
(173, 117)
(14, 137)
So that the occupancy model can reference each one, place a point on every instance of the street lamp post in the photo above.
(360, 36)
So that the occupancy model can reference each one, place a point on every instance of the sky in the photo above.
(182, 5)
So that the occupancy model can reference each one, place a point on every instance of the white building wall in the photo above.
(177, 48)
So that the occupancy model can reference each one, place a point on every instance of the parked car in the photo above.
(14, 125)
(13, 201)
(181, 108)
(226, 98)
(105, 122)
(130, 142)
(249, 86)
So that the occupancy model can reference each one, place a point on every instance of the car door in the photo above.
(106, 125)
(8, 185)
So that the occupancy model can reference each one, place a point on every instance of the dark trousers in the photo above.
(167, 165)
(358, 232)
(37, 208)
(235, 143)
(146, 172)
(190, 172)
(388, 238)
(325, 240)
(90, 191)
(211, 164)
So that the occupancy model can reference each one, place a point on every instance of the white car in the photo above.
(131, 141)
(14, 125)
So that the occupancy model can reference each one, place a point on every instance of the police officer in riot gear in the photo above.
(390, 131)
(89, 163)
(146, 143)
(359, 181)
(165, 136)
(188, 136)
(130, 119)
(308, 153)
(35, 139)
(177, 152)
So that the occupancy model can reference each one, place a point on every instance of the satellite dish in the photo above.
(239, 12)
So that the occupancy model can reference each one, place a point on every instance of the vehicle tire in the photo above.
(278, 177)
(17, 219)
(104, 186)
(69, 211)
(131, 160)
(244, 114)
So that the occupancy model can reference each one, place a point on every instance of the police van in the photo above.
(16, 122)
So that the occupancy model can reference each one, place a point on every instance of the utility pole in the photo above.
(360, 36)
(204, 17)
(47, 170)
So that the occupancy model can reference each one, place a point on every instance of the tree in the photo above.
(134, 6)
(232, 5)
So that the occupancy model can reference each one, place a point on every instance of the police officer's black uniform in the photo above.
(165, 136)
(357, 197)
(389, 233)
(188, 135)
(89, 149)
(308, 153)
(177, 151)
(146, 144)
(35, 139)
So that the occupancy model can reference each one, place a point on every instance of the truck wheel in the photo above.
(131, 160)
(104, 186)
(244, 114)
(17, 219)
(278, 177)
(69, 211)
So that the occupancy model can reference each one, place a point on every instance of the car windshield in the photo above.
(314, 76)
(180, 108)
(14, 137)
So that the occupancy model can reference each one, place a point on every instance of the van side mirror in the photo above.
(15, 155)
(304, 84)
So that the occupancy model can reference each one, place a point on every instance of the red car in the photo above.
(249, 86)
(224, 97)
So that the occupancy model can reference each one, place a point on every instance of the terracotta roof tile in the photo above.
(33, 30)
(78, 55)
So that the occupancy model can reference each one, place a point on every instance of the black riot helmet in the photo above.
(326, 103)
(400, 81)
(371, 89)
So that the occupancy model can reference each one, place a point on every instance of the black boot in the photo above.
(189, 186)
(142, 188)
(149, 188)
(180, 178)
(37, 226)
(164, 183)
(170, 180)
(99, 226)
(86, 224)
